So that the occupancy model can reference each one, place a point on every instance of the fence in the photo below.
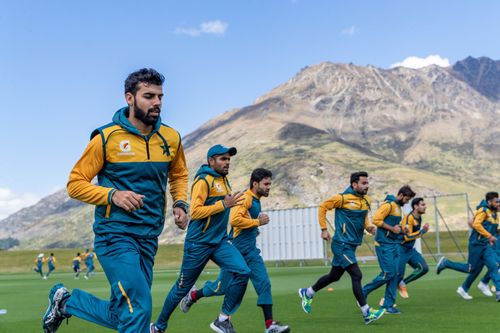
(293, 234)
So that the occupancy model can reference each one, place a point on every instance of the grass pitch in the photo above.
(433, 305)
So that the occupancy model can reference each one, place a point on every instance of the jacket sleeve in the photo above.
(380, 215)
(80, 185)
(239, 215)
(478, 224)
(329, 204)
(178, 179)
(199, 195)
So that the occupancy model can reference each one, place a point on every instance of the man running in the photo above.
(412, 229)
(245, 222)
(207, 239)
(351, 219)
(388, 222)
(133, 158)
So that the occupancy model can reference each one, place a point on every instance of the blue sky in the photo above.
(63, 63)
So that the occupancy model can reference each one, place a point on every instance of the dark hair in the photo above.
(356, 175)
(259, 174)
(406, 191)
(491, 195)
(416, 202)
(52, 254)
(78, 253)
(87, 250)
(145, 75)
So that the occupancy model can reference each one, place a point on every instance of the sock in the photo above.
(402, 284)
(196, 295)
(310, 292)
(223, 317)
(269, 322)
(365, 309)
(267, 310)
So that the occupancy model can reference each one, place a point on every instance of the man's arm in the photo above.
(478, 224)
(409, 234)
(239, 215)
(178, 180)
(380, 215)
(329, 204)
(80, 185)
(199, 195)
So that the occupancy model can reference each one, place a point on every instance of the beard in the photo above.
(262, 193)
(221, 171)
(145, 116)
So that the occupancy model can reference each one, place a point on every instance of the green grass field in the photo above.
(433, 305)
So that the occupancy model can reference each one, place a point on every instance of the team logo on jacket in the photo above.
(218, 187)
(125, 148)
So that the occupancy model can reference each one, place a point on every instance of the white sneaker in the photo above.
(484, 289)
(493, 289)
(463, 293)
(277, 327)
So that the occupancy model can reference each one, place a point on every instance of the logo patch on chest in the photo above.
(125, 148)
(218, 187)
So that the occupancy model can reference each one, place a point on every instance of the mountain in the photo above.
(480, 73)
(427, 127)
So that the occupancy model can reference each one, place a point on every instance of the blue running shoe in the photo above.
(373, 315)
(53, 317)
(392, 310)
(440, 265)
(306, 300)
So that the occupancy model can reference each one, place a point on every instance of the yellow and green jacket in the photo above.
(52, 261)
(209, 216)
(76, 262)
(351, 216)
(484, 226)
(411, 228)
(124, 159)
(245, 223)
(390, 213)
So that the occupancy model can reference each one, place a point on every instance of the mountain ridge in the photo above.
(428, 127)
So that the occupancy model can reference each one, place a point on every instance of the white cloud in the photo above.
(417, 62)
(216, 27)
(11, 202)
(349, 31)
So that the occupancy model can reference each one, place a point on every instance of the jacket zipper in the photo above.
(147, 146)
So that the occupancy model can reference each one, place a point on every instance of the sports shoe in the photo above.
(53, 317)
(222, 326)
(463, 293)
(277, 327)
(373, 315)
(306, 300)
(403, 292)
(186, 302)
(498, 296)
(392, 310)
(493, 289)
(440, 265)
(484, 289)
(154, 329)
